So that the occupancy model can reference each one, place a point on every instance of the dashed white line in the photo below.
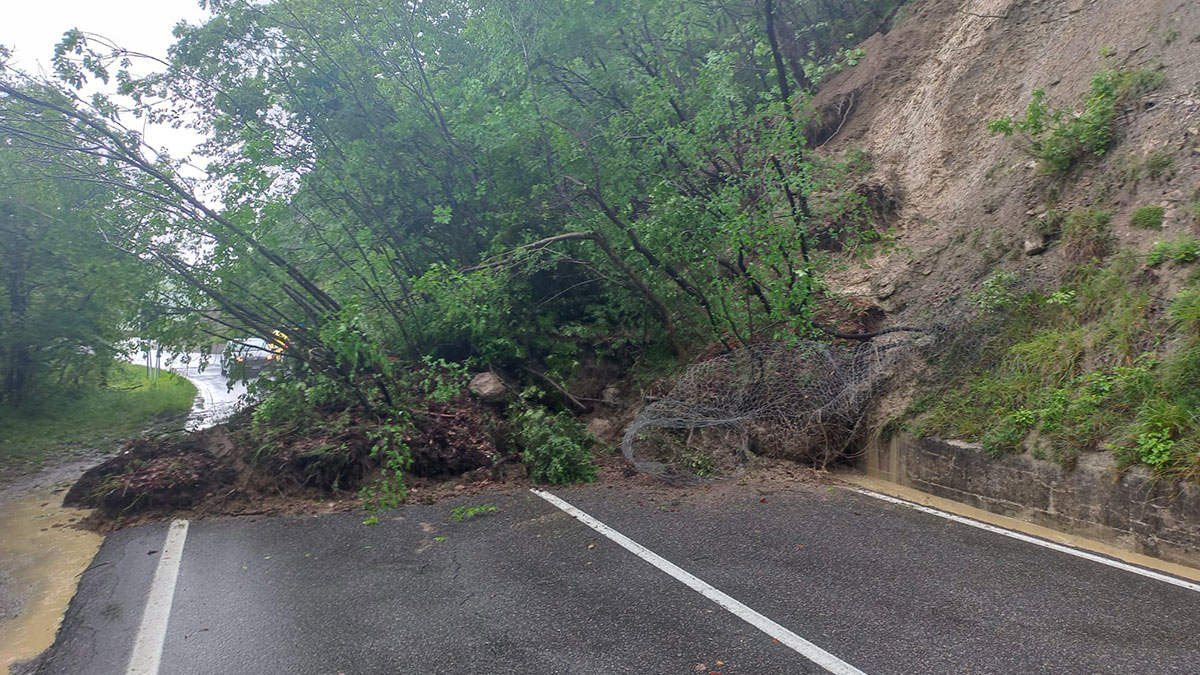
(148, 645)
(805, 648)
(1078, 553)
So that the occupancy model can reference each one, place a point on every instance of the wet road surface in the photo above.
(216, 398)
(530, 589)
(41, 555)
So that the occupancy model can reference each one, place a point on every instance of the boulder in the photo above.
(601, 428)
(488, 387)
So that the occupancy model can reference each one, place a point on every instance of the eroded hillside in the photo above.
(1084, 273)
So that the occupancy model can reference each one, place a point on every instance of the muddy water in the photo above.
(42, 555)
(41, 558)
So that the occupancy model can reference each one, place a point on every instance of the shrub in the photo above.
(1148, 217)
(1088, 234)
(1184, 249)
(555, 446)
(1050, 223)
(997, 292)
(1060, 139)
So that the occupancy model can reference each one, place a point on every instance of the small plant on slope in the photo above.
(1061, 139)
(1148, 218)
(1088, 235)
(1184, 249)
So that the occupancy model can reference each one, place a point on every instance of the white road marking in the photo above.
(1078, 553)
(805, 648)
(148, 646)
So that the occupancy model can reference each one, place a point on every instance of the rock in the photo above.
(509, 469)
(612, 394)
(488, 387)
(1035, 246)
(885, 290)
(602, 428)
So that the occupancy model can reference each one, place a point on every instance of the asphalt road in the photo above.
(216, 398)
(531, 589)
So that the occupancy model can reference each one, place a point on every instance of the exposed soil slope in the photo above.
(922, 99)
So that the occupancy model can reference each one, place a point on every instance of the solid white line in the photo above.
(806, 649)
(148, 646)
(1078, 553)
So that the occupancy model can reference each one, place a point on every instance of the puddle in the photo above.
(42, 555)
(41, 558)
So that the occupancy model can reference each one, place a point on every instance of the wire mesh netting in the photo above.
(809, 396)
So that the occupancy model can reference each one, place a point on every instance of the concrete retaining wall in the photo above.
(1133, 510)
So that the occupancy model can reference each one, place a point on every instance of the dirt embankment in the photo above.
(922, 98)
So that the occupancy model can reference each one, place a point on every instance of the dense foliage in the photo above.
(508, 184)
(65, 298)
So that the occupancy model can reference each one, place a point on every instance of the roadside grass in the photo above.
(91, 416)
(1097, 365)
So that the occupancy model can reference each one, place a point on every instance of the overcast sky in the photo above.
(32, 28)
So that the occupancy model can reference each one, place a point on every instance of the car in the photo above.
(248, 356)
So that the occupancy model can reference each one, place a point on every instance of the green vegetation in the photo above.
(997, 292)
(1060, 139)
(698, 462)
(1182, 250)
(1050, 224)
(461, 513)
(1087, 234)
(1185, 309)
(556, 446)
(91, 414)
(414, 190)
(391, 453)
(1092, 366)
(63, 294)
(1160, 165)
(1148, 217)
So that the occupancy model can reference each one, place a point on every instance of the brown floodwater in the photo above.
(42, 556)
(41, 559)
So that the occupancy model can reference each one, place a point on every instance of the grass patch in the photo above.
(1182, 250)
(1091, 366)
(1160, 165)
(1148, 217)
(1087, 235)
(92, 416)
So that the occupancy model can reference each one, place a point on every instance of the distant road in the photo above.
(215, 400)
(821, 580)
